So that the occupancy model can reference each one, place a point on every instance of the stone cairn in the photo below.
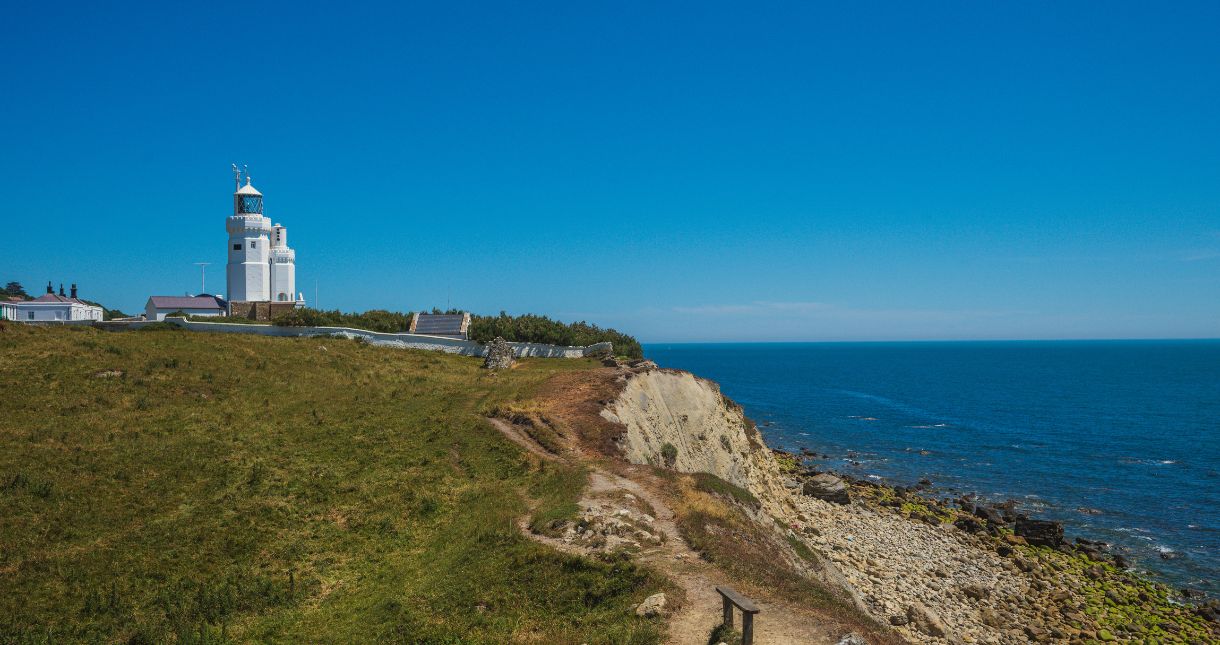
(499, 355)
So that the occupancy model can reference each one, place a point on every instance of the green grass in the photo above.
(197, 487)
(557, 490)
(723, 634)
(710, 483)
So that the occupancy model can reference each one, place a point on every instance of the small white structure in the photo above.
(8, 309)
(261, 265)
(201, 305)
(51, 307)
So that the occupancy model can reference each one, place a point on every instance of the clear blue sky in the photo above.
(693, 171)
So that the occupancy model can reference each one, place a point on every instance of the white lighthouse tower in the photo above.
(261, 266)
(248, 270)
(283, 266)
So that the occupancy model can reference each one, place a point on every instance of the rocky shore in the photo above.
(935, 570)
(965, 572)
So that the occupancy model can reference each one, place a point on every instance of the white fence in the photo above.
(402, 341)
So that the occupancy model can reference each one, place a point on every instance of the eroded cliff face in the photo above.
(708, 433)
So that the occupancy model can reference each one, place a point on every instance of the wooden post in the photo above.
(728, 612)
(747, 628)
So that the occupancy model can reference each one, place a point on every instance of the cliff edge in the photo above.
(676, 420)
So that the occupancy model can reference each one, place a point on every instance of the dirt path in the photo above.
(778, 623)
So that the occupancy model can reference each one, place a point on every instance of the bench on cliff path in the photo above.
(730, 597)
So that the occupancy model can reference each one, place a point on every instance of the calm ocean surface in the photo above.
(1128, 429)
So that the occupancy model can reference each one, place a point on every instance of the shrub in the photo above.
(710, 483)
(669, 453)
(723, 634)
(372, 320)
(530, 328)
(160, 326)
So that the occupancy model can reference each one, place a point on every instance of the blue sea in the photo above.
(1119, 440)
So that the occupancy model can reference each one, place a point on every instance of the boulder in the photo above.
(852, 639)
(1036, 633)
(977, 592)
(827, 487)
(1209, 610)
(968, 524)
(926, 621)
(987, 513)
(499, 355)
(1039, 532)
(653, 605)
(1093, 549)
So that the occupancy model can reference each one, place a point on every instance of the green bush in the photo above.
(723, 634)
(669, 453)
(710, 483)
(380, 320)
(528, 328)
(531, 328)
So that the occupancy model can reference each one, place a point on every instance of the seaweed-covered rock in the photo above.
(1039, 532)
(968, 524)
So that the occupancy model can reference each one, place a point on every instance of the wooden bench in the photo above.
(730, 598)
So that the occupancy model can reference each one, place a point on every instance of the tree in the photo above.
(14, 288)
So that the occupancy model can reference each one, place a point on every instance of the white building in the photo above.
(50, 307)
(8, 310)
(261, 266)
(201, 305)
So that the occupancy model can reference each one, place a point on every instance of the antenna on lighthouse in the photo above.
(236, 178)
(203, 283)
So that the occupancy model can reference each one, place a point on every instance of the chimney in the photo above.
(61, 289)
(50, 289)
(74, 291)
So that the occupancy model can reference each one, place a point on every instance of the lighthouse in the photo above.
(261, 265)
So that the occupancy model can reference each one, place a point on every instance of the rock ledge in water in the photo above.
(1039, 532)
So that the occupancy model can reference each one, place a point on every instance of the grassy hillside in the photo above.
(162, 485)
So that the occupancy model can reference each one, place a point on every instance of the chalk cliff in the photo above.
(678, 420)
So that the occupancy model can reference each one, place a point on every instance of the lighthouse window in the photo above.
(247, 204)
(252, 245)
(236, 247)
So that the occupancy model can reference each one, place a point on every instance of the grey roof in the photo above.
(51, 297)
(203, 301)
(441, 325)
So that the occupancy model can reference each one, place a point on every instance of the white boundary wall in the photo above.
(401, 341)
